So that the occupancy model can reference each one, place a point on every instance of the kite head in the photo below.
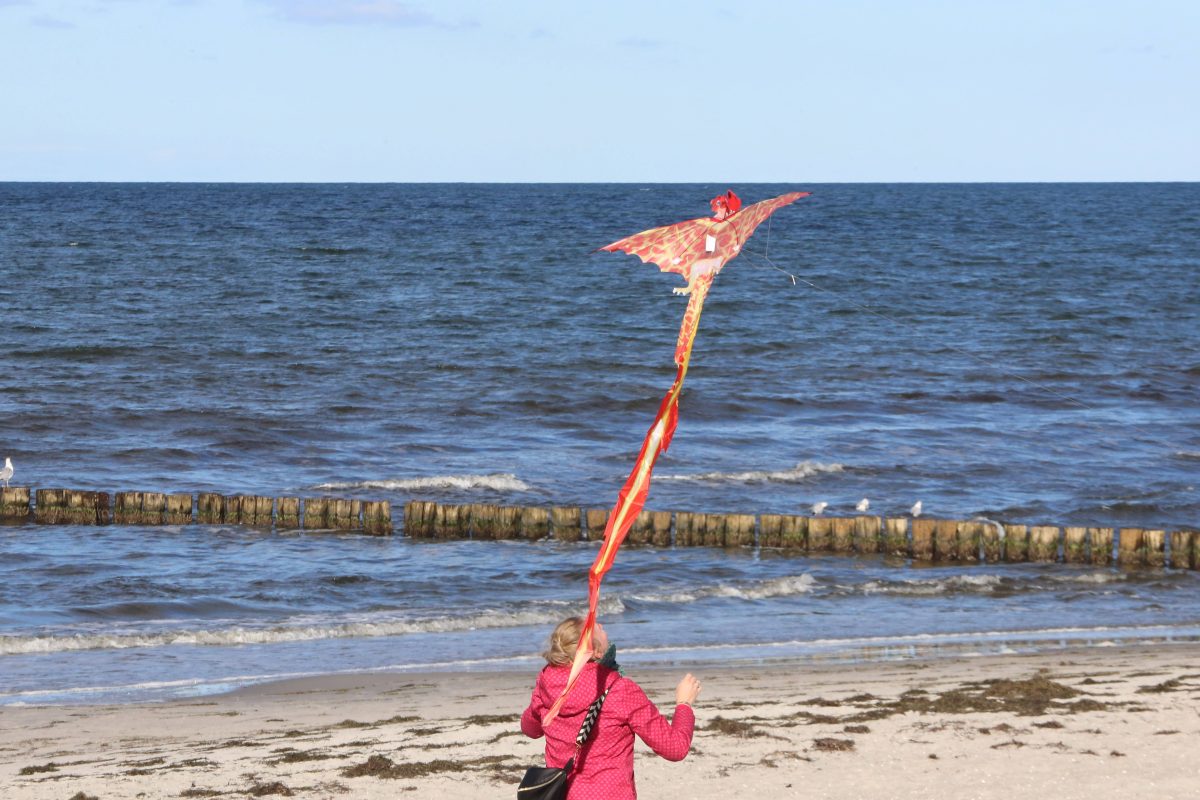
(725, 205)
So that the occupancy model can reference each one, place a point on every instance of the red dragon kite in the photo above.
(697, 249)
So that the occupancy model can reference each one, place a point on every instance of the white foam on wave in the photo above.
(496, 482)
(1190, 455)
(805, 469)
(773, 587)
(933, 586)
(297, 629)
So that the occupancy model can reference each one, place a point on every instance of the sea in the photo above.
(1021, 352)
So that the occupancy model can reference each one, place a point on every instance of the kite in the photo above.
(697, 249)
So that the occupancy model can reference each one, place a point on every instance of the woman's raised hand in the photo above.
(688, 690)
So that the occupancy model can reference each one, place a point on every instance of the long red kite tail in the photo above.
(632, 496)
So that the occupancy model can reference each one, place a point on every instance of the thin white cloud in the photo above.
(359, 12)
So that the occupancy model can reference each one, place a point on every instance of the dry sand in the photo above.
(1097, 723)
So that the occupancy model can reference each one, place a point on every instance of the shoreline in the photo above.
(1083, 723)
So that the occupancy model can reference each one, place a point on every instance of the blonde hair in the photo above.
(563, 642)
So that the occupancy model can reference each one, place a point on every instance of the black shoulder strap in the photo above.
(589, 719)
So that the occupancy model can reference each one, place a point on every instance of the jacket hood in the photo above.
(590, 684)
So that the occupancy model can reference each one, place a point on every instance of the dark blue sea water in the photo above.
(1026, 352)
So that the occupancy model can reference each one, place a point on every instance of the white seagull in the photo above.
(863, 505)
(916, 509)
(819, 507)
(7, 472)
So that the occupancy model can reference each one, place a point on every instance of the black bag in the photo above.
(549, 783)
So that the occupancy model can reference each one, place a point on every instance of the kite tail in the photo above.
(632, 496)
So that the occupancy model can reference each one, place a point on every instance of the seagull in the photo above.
(7, 472)
(819, 507)
(863, 505)
(916, 509)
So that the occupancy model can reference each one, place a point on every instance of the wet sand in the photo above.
(1097, 723)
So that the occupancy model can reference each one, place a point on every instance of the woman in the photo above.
(604, 768)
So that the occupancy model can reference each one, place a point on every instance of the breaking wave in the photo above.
(775, 587)
(805, 469)
(300, 629)
(496, 481)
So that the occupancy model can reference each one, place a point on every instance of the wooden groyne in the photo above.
(78, 507)
(922, 539)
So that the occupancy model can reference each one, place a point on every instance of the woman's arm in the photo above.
(531, 720)
(671, 740)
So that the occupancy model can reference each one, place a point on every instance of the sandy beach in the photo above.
(1098, 723)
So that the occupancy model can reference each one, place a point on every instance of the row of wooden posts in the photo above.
(76, 507)
(920, 539)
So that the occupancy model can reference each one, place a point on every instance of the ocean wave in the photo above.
(496, 482)
(983, 584)
(805, 469)
(300, 629)
(774, 587)
(1188, 455)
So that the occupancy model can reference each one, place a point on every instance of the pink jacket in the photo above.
(604, 770)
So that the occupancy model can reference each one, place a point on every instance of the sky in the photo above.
(623, 90)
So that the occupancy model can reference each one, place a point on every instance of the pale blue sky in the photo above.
(682, 90)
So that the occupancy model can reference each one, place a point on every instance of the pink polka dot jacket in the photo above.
(604, 769)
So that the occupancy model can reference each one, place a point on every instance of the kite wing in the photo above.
(672, 248)
(745, 221)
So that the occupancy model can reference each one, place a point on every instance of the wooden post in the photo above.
(820, 534)
(993, 543)
(377, 517)
(945, 540)
(1075, 545)
(651, 528)
(1130, 549)
(346, 515)
(597, 519)
(922, 539)
(534, 523)
(843, 534)
(1043, 543)
(179, 509)
(454, 522)
(48, 505)
(287, 512)
(508, 522)
(641, 529)
(1101, 545)
(566, 523)
(714, 530)
(316, 513)
(231, 509)
(970, 534)
(127, 508)
(689, 529)
(208, 509)
(739, 530)
(794, 532)
(895, 537)
(867, 534)
(416, 518)
(1016, 543)
(1155, 542)
(154, 508)
(14, 503)
(770, 530)
(84, 508)
(1181, 550)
